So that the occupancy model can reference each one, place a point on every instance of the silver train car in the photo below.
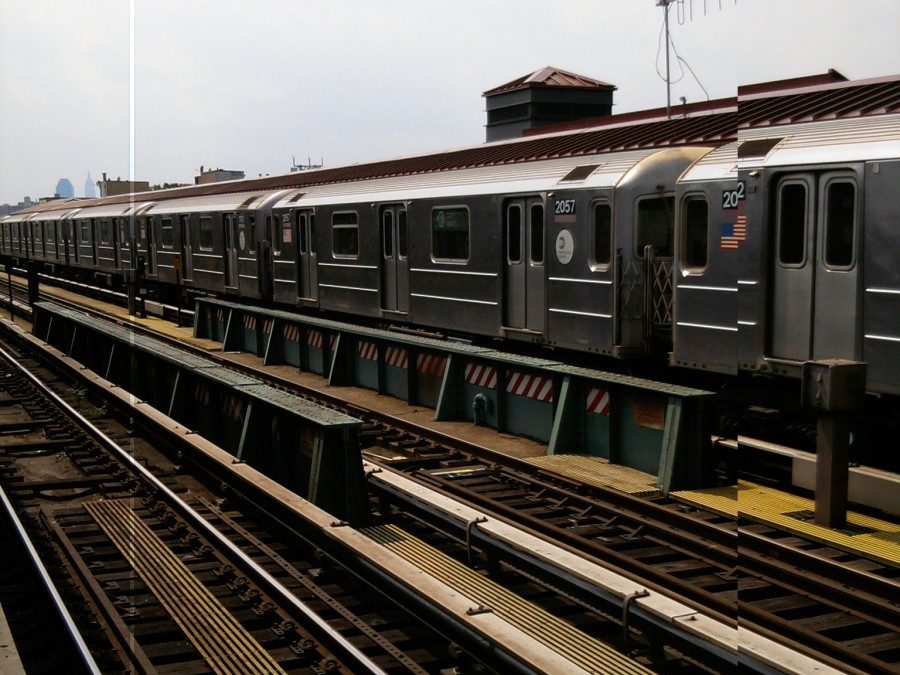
(753, 255)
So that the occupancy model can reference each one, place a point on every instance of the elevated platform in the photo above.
(864, 535)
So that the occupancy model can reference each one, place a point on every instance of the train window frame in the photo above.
(349, 234)
(640, 241)
(537, 234)
(454, 259)
(402, 234)
(789, 182)
(167, 234)
(207, 233)
(601, 265)
(827, 231)
(517, 239)
(688, 264)
(84, 231)
(387, 234)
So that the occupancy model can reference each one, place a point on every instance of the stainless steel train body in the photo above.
(752, 256)
(819, 273)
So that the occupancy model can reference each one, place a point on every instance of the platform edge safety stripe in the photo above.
(223, 642)
(772, 507)
(570, 642)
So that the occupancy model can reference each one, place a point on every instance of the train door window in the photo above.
(792, 221)
(167, 234)
(251, 231)
(602, 233)
(312, 233)
(303, 241)
(387, 234)
(695, 216)
(450, 234)
(401, 234)
(105, 234)
(85, 231)
(206, 233)
(39, 237)
(537, 234)
(345, 234)
(514, 234)
(281, 233)
(655, 225)
(840, 223)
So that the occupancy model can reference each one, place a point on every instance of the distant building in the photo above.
(216, 176)
(547, 96)
(6, 209)
(111, 188)
(89, 190)
(65, 189)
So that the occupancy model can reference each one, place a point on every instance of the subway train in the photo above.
(722, 244)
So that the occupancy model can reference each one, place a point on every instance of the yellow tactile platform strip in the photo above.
(226, 646)
(600, 473)
(573, 644)
(771, 507)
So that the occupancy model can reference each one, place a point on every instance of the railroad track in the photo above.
(839, 613)
(165, 589)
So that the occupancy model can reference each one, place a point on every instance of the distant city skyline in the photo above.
(357, 81)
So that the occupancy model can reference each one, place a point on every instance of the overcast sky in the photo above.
(246, 84)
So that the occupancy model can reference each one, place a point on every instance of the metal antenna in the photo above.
(665, 5)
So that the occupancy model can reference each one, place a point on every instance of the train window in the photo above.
(122, 227)
(792, 223)
(840, 218)
(450, 234)
(655, 225)
(251, 232)
(301, 232)
(105, 231)
(513, 234)
(401, 233)
(537, 234)
(602, 234)
(695, 216)
(51, 232)
(387, 234)
(281, 233)
(38, 237)
(206, 233)
(312, 233)
(167, 234)
(85, 232)
(345, 234)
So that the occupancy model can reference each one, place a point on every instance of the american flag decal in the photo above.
(734, 233)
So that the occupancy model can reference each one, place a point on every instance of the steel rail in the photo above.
(284, 595)
(71, 628)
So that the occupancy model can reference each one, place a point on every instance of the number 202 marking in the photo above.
(730, 198)
(563, 206)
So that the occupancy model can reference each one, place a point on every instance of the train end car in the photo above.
(819, 278)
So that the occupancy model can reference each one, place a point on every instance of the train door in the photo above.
(230, 253)
(394, 259)
(815, 278)
(307, 277)
(187, 253)
(523, 224)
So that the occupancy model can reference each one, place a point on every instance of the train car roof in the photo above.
(822, 142)
(232, 201)
(594, 171)
(718, 164)
(112, 210)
